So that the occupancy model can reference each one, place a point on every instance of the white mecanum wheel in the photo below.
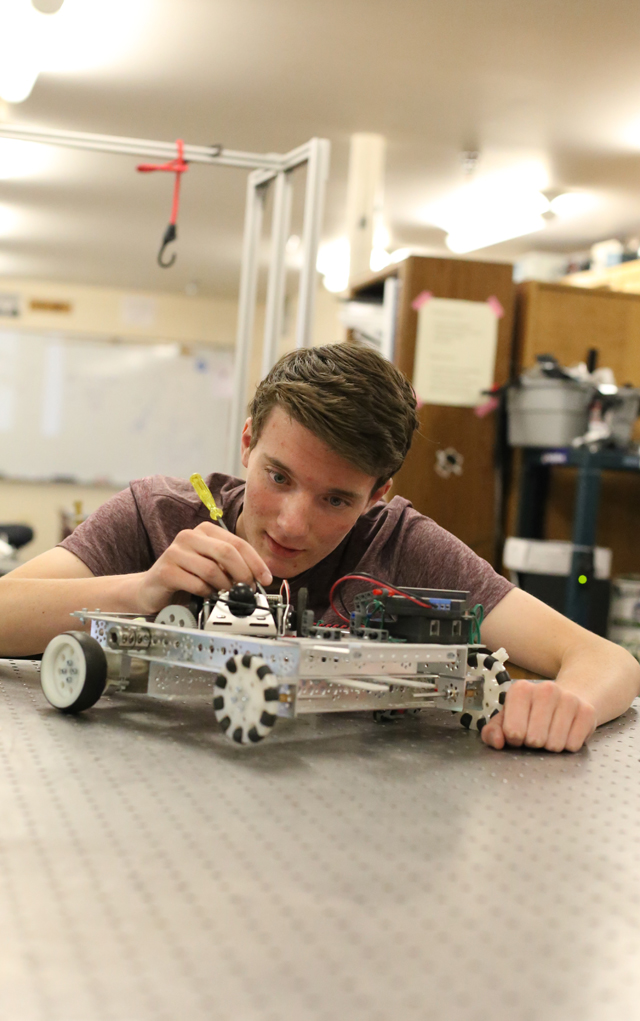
(73, 672)
(245, 699)
(177, 616)
(489, 666)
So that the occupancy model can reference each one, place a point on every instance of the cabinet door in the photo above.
(462, 501)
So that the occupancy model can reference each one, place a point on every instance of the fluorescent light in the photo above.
(483, 232)
(17, 79)
(380, 259)
(24, 159)
(9, 219)
(400, 254)
(381, 237)
(89, 34)
(21, 35)
(333, 263)
(495, 208)
(81, 36)
(572, 203)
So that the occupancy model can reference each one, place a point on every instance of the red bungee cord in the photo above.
(178, 167)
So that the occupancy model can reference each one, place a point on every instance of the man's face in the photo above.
(301, 497)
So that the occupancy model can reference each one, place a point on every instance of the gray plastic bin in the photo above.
(547, 412)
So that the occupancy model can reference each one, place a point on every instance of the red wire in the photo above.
(375, 581)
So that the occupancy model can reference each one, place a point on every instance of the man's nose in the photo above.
(294, 517)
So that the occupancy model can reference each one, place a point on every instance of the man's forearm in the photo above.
(33, 610)
(603, 674)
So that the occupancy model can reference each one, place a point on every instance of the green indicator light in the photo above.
(582, 578)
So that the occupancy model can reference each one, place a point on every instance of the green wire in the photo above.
(477, 616)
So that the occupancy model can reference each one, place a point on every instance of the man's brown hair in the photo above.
(349, 396)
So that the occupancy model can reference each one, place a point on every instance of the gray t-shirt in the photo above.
(392, 542)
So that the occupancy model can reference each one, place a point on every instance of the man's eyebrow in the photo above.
(346, 493)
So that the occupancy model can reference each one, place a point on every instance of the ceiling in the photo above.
(557, 79)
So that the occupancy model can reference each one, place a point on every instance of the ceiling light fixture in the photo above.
(400, 255)
(492, 209)
(9, 219)
(21, 46)
(333, 263)
(64, 36)
(24, 159)
(572, 203)
(24, 35)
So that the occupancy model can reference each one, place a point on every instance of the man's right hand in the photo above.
(198, 561)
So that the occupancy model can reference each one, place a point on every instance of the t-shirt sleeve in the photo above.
(112, 540)
(430, 556)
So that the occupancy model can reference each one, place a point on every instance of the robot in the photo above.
(399, 651)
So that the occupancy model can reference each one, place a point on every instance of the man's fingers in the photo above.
(256, 564)
(208, 571)
(516, 712)
(545, 699)
(220, 554)
(542, 715)
(184, 581)
(582, 728)
(492, 733)
(562, 722)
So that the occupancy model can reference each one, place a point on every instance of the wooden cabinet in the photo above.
(567, 321)
(464, 504)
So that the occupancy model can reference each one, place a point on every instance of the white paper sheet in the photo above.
(456, 347)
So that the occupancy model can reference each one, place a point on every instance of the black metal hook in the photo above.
(170, 235)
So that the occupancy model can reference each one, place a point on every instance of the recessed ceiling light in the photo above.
(47, 6)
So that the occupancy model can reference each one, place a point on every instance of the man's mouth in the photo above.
(279, 550)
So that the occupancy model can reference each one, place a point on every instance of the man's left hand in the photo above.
(541, 715)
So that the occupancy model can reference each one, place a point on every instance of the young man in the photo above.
(329, 427)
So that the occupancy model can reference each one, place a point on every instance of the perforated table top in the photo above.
(340, 870)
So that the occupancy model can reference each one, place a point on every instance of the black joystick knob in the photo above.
(242, 599)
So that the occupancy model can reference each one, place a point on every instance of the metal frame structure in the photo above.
(266, 169)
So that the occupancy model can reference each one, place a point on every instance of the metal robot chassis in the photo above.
(255, 680)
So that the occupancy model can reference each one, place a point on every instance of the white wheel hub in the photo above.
(63, 671)
(177, 616)
(495, 680)
(246, 698)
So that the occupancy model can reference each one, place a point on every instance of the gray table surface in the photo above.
(340, 870)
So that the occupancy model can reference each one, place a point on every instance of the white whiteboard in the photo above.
(97, 411)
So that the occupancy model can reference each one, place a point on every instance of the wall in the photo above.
(134, 316)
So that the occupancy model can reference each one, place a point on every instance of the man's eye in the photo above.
(336, 501)
(278, 478)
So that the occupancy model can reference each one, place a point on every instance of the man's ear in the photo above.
(379, 493)
(245, 443)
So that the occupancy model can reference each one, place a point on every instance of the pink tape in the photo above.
(485, 409)
(421, 300)
(495, 306)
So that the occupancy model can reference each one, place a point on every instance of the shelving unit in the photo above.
(566, 321)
